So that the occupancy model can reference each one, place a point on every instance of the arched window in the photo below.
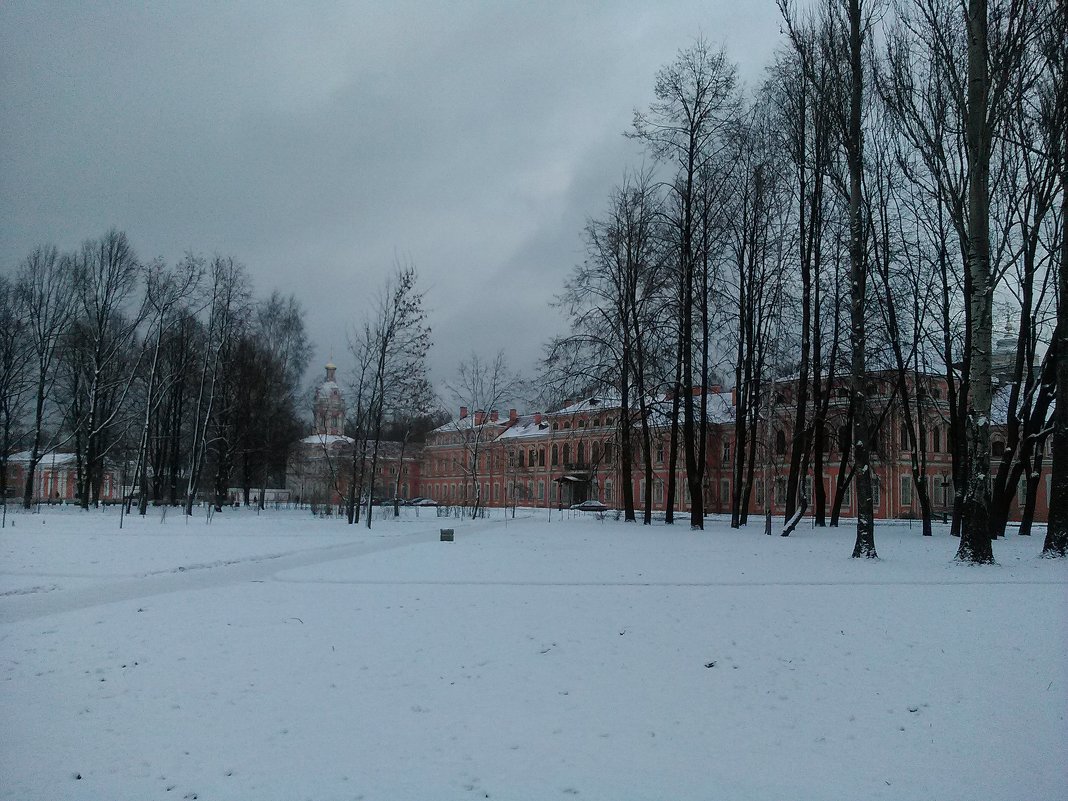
(567, 453)
(843, 437)
(608, 453)
(582, 453)
(780, 442)
(556, 455)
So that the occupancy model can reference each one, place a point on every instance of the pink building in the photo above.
(56, 478)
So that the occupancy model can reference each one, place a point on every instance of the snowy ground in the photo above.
(276, 656)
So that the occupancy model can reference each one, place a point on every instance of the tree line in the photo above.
(175, 376)
(895, 183)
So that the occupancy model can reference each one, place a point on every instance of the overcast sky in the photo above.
(315, 141)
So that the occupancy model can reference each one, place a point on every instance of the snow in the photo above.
(279, 656)
(526, 428)
(327, 439)
(46, 457)
(326, 388)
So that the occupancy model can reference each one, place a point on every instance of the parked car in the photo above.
(422, 502)
(589, 506)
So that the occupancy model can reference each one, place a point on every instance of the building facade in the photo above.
(321, 466)
(56, 478)
(573, 454)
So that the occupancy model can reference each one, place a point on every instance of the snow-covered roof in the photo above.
(592, 404)
(720, 410)
(468, 424)
(326, 439)
(720, 407)
(320, 444)
(526, 428)
(46, 459)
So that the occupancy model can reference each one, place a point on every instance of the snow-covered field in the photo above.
(277, 656)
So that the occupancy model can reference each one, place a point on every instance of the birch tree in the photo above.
(400, 339)
(1056, 541)
(226, 305)
(107, 277)
(165, 291)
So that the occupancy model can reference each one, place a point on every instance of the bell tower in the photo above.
(329, 405)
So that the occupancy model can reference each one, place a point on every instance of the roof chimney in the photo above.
(494, 416)
(537, 418)
(480, 417)
(512, 415)
(463, 412)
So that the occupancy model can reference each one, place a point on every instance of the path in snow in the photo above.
(26, 605)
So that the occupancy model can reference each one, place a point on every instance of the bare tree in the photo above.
(227, 308)
(165, 291)
(612, 301)
(854, 146)
(271, 361)
(481, 386)
(400, 339)
(361, 345)
(107, 278)
(845, 30)
(805, 95)
(987, 104)
(414, 404)
(906, 301)
(47, 290)
(15, 359)
(753, 291)
(696, 103)
(1027, 190)
(1056, 542)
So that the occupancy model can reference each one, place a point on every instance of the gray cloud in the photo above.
(315, 142)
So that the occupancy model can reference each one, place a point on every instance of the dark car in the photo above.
(589, 506)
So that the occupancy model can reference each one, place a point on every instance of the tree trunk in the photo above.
(975, 540)
(626, 454)
(865, 544)
(1056, 542)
